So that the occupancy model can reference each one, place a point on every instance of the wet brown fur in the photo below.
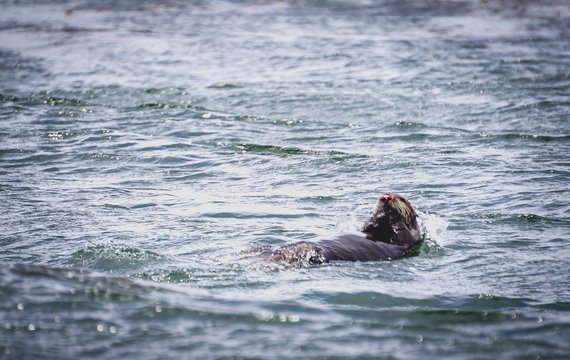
(390, 218)
(390, 233)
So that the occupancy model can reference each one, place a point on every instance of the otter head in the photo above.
(392, 215)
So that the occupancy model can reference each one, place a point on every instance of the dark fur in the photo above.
(390, 233)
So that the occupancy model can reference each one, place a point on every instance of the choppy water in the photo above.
(143, 145)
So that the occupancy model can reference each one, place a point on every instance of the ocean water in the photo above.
(144, 145)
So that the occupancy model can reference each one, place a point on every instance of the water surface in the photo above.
(144, 145)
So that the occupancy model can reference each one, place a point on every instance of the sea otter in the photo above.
(390, 233)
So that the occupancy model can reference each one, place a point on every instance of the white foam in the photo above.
(435, 228)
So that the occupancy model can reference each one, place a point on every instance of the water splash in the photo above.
(435, 228)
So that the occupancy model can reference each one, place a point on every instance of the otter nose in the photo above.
(386, 197)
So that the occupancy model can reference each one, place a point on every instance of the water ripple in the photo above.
(156, 141)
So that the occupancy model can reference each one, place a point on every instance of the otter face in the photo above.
(391, 213)
(397, 205)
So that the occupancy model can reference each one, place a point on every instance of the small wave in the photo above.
(53, 101)
(522, 136)
(9, 98)
(286, 151)
(409, 124)
(166, 105)
(114, 257)
(529, 218)
(524, 218)
(271, 149)
(179, 275)
(473, 302)
(256, 215)
(226, 86)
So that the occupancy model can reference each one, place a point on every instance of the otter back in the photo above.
(346, 247)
